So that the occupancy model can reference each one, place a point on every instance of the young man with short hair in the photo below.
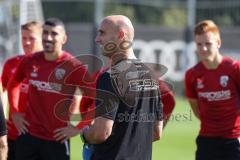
(31, 43)
(212, 88)
(54, 76)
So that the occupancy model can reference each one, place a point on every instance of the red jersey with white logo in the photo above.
(218, 95)
(51, 88)
(9, 69)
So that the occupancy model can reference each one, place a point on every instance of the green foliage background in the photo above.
(166, 13)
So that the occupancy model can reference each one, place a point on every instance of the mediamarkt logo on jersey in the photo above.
(215, 96)
(45, 86)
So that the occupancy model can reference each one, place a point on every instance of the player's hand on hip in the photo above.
(63, 134)
(20, 123)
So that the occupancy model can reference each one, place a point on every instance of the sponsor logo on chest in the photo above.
(59, 73)
(45, 86)
(217, 95)
(224, 80)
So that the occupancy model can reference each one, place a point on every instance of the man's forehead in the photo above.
(106, 26)
(55, 28)
(32, 32)
(207, 35)
(210, 35)
(107, 23)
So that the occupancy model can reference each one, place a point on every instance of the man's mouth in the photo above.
(48, 43)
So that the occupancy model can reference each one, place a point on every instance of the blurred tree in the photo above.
(174, 17)
(169, 13)
(147, 14)
(224, 20)
(69, 11)
(224, 13)
(124, 9)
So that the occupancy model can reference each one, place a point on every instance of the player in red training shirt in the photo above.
(53, 75)
(212, 88)
(31, 42)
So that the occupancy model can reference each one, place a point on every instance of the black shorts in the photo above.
(211, 148)
(33, 148)
(11, 149)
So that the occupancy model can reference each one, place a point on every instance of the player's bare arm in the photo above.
(194, 105)
(4, 99)
(62, 134)
(158, 130)
(99, 131)
(75, 106)
(18, 118)
(3, 136)
(3, 148)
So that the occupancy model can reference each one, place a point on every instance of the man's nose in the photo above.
(204, 47)
(27, 42)
(48, 37)
(97, 39)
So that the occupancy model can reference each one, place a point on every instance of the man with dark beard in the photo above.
(52, 85)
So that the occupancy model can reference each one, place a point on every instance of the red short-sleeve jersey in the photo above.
(218, 96)
(51, 88)
(9, 69)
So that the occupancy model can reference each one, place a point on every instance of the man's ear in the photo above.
(219, 43)
(65, 38)
(121, 34)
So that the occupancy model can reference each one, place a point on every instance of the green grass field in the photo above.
(178, 141)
